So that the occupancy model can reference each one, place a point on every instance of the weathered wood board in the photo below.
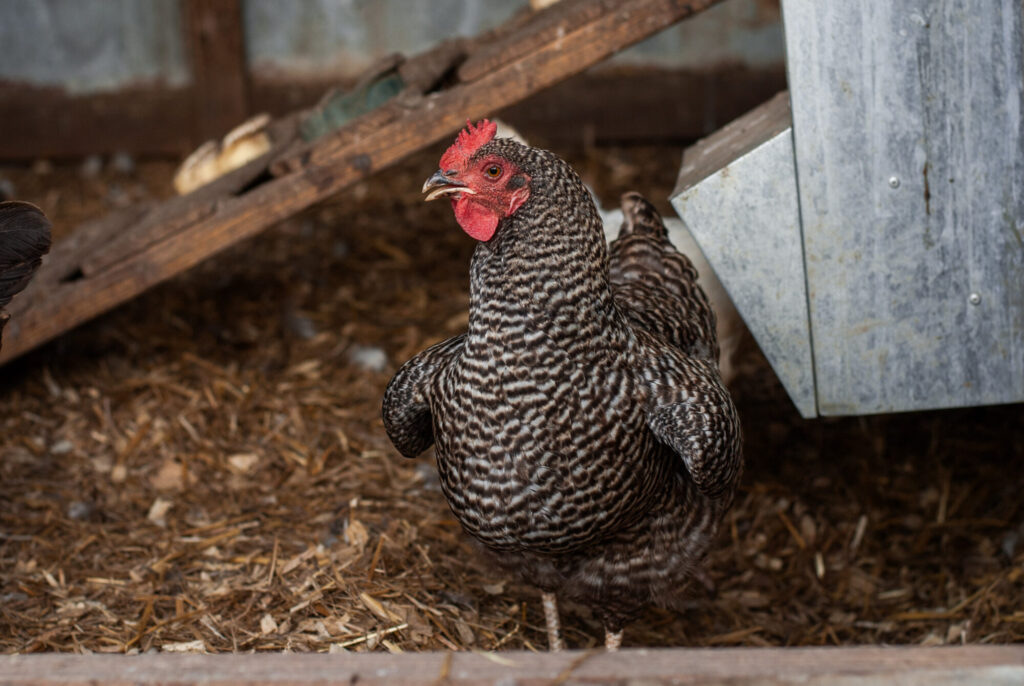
(853, 666)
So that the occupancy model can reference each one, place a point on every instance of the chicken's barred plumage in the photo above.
(582, 432)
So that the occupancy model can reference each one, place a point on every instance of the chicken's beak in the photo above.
(444, 185)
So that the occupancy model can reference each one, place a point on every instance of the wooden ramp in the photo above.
(109, 261)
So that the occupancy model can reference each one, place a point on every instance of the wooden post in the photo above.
(215, 36)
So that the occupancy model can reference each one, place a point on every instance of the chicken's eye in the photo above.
(493, 171)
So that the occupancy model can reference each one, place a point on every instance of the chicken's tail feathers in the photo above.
(640, 217)
(24, 239)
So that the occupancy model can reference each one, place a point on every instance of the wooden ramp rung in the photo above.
(125, 255)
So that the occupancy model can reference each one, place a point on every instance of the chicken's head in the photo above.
(484, 187)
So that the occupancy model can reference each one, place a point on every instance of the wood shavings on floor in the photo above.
(205, 470)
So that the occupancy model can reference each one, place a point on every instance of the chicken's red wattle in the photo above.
(475, 219)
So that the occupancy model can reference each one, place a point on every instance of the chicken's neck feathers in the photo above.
(547, 270)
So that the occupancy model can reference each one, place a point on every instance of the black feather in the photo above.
(24, 239)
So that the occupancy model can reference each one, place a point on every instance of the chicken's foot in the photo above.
(551, 619)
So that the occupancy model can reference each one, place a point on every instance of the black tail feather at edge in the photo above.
(24, 239)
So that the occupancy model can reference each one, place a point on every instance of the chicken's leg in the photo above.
(612, 639)
(551, 619)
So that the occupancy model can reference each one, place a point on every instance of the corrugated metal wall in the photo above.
(89, 46)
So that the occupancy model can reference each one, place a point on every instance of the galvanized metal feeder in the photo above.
(872, 237)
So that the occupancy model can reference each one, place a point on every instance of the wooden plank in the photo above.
(336, 162)
(216, 40)
(643, 105)
(168, 218)
(65, 260)
(852, 666)
(49, 122)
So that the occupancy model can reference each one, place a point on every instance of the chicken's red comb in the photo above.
(470, 139)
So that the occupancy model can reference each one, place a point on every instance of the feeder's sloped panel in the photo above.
(909, 145)
(737, 195)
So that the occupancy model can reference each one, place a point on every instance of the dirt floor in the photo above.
(205, 468)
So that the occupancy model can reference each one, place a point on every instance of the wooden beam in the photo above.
(215, 37)
(853, 666)
(335, 161)
(50, 122)
(643, 105)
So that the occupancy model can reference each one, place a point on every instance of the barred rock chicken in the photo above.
(582, 432)
(24, 239)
